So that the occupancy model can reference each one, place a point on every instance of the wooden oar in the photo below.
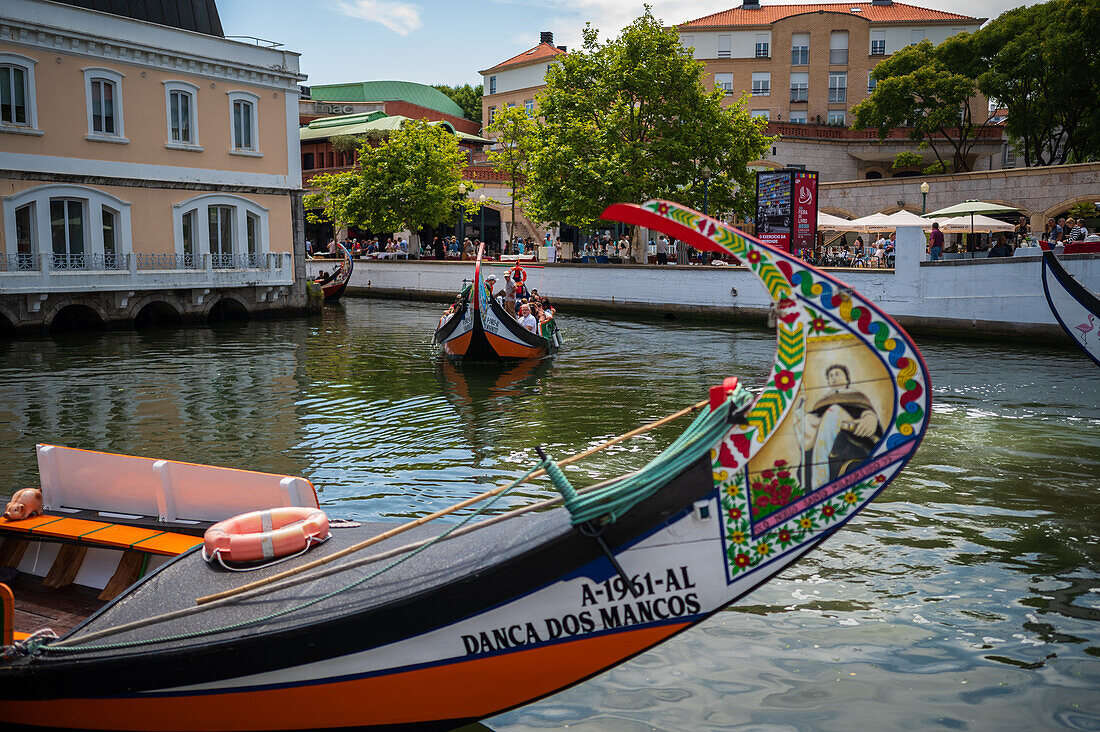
(438, 514)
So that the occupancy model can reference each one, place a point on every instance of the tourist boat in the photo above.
(478, 328)
(1075, 308)
(437, 627)
(334, 284)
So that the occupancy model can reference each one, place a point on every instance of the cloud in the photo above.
(401, 18)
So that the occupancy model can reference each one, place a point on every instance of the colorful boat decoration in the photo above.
(1075, 308)
(436, 628)
(478, 328)
(334, 284)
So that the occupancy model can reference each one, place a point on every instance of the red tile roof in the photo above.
(768, 14)
(538, 53)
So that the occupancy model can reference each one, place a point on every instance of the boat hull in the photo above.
(1076, 309)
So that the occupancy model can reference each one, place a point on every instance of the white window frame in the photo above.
(529, 107)
(760, 113)
(30, 127)
(836, 117)
(240, 95)
(761, 83)
(763, 48)
(838, 94)
(94, 202)
(802, 50)
(798, 118)
(725, 45)
(94, 73)
(916, 35)
(878, 43)
(200, 231)
(800, 86)
(688, 45)
(838, 48)
(182, 87)
(871, 82)
(724, 81)
(493, 84)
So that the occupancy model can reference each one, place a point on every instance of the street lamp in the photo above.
(481, 203)
(924, 197)
(462, 213)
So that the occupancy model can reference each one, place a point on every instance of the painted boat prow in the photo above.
(333, 289)
(1075, 308)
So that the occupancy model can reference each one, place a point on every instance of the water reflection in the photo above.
(966, 597)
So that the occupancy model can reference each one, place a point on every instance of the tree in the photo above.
(629, 120)
(407, 181)
(466, 96)
(513, 128)
(1042, 65)
(931, 91)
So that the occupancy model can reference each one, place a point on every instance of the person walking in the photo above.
(935, 242)
(662, 250)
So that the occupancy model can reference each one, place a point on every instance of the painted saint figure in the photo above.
(840, 431)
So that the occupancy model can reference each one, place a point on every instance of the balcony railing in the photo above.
(45, 271)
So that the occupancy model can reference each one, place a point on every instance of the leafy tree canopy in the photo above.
(466, 96)
(629, 120)
(931, 91)
(1041, 63)
(513, 129)
(408, 181)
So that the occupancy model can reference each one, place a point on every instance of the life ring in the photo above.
(265, 535)
(519, 273)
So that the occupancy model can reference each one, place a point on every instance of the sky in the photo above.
(450, 41)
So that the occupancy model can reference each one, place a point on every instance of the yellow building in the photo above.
(148, 169)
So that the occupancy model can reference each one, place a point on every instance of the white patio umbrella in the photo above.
(973, 224)
(867, 223)
(970, 209)
(904, 218)
(828, 222)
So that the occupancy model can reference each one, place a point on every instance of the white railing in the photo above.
(47, 272)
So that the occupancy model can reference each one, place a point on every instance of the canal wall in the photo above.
(983, 298)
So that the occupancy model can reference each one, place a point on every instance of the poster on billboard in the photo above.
(773, 208)
(804, 189)
(786, 208)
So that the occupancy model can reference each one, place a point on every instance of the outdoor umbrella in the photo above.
(828, 222)
(903, 218)
(868, 223)
(974, 223)
(971, 208)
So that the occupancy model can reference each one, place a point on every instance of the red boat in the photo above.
(479, 328)
(334, 284)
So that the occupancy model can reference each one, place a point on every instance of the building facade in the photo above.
(805, 67)
(517, 81)
(147, 168)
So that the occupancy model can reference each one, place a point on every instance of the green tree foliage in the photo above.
(466, 96)
(629, 120)
(513, 129)
(930, 90)
(1041, 62)
(906, 159)
(408, 181)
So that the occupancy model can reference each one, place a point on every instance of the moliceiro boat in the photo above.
(479, 328)
(333, 284)
(430, 627)
(1075, 308)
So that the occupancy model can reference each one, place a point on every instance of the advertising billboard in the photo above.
(786, 208)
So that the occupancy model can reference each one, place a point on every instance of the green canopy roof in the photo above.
(386, 91)
(358, 124)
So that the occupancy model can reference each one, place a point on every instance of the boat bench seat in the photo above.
(100, 533)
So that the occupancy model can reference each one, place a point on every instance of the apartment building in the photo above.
(516, 81)
(807, 65)
(150, 167)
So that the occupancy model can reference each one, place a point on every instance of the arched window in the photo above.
(77, 226)
(181, 101)
(18, 108)
(244, 128)
(232, 230)
(103, 93)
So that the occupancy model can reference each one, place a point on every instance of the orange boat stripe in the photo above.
(464, 689)
(505, 347)
(28, 524)
(168, 544)
(112, 535)
(66, 528)
(458, 346)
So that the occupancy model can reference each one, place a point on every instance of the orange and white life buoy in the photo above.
(265, 535)
(518, 274)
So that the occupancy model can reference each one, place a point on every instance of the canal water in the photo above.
(966, 597)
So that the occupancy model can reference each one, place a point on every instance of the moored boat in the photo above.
(479, 328)
(333, 284)
(1075, 308)
(434, 628)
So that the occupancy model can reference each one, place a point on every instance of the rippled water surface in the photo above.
(966, 597)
